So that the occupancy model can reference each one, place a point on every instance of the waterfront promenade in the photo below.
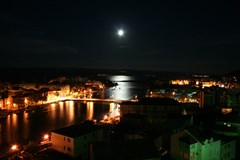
(42, 104)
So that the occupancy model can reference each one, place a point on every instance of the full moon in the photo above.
(120, 32)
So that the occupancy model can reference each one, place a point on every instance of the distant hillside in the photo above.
(17, 75)
(40, 74)
(235, 73)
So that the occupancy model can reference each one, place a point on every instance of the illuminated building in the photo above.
(228, 149)
(227, 99)
(74, 140)
(211, 97)
(192, 148)
(233, 99)
(208, 84)
(154, 109)
(228, 125)
(180, 82)
(192, 145)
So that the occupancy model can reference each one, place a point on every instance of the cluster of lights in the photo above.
(15, 147)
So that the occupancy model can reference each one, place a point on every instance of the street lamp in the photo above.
(14, 147)
(46, 137)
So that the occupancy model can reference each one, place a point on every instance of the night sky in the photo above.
(184, 36)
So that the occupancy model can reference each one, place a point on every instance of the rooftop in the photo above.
(188, 139)
(125, 149)
(77, 130)
(194, 135)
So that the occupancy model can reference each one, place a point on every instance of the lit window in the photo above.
(192, 155)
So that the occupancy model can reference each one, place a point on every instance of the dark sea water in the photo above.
(22, 127)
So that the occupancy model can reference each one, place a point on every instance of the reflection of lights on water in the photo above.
(111, 107)
(121, 78)
(113, 116)
(90, 108)
(122, 91)
(14, 119)
(71, 103)
(117, 110)
(114, 110)
(25, 115)
(25, 101)
(71, 110)
(61, 105)
(118, 113)
(53, 108)
(26, 124)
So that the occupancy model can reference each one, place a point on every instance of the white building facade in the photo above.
(74, 140)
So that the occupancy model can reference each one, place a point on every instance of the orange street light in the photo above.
(46, 137)
(14, 147)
